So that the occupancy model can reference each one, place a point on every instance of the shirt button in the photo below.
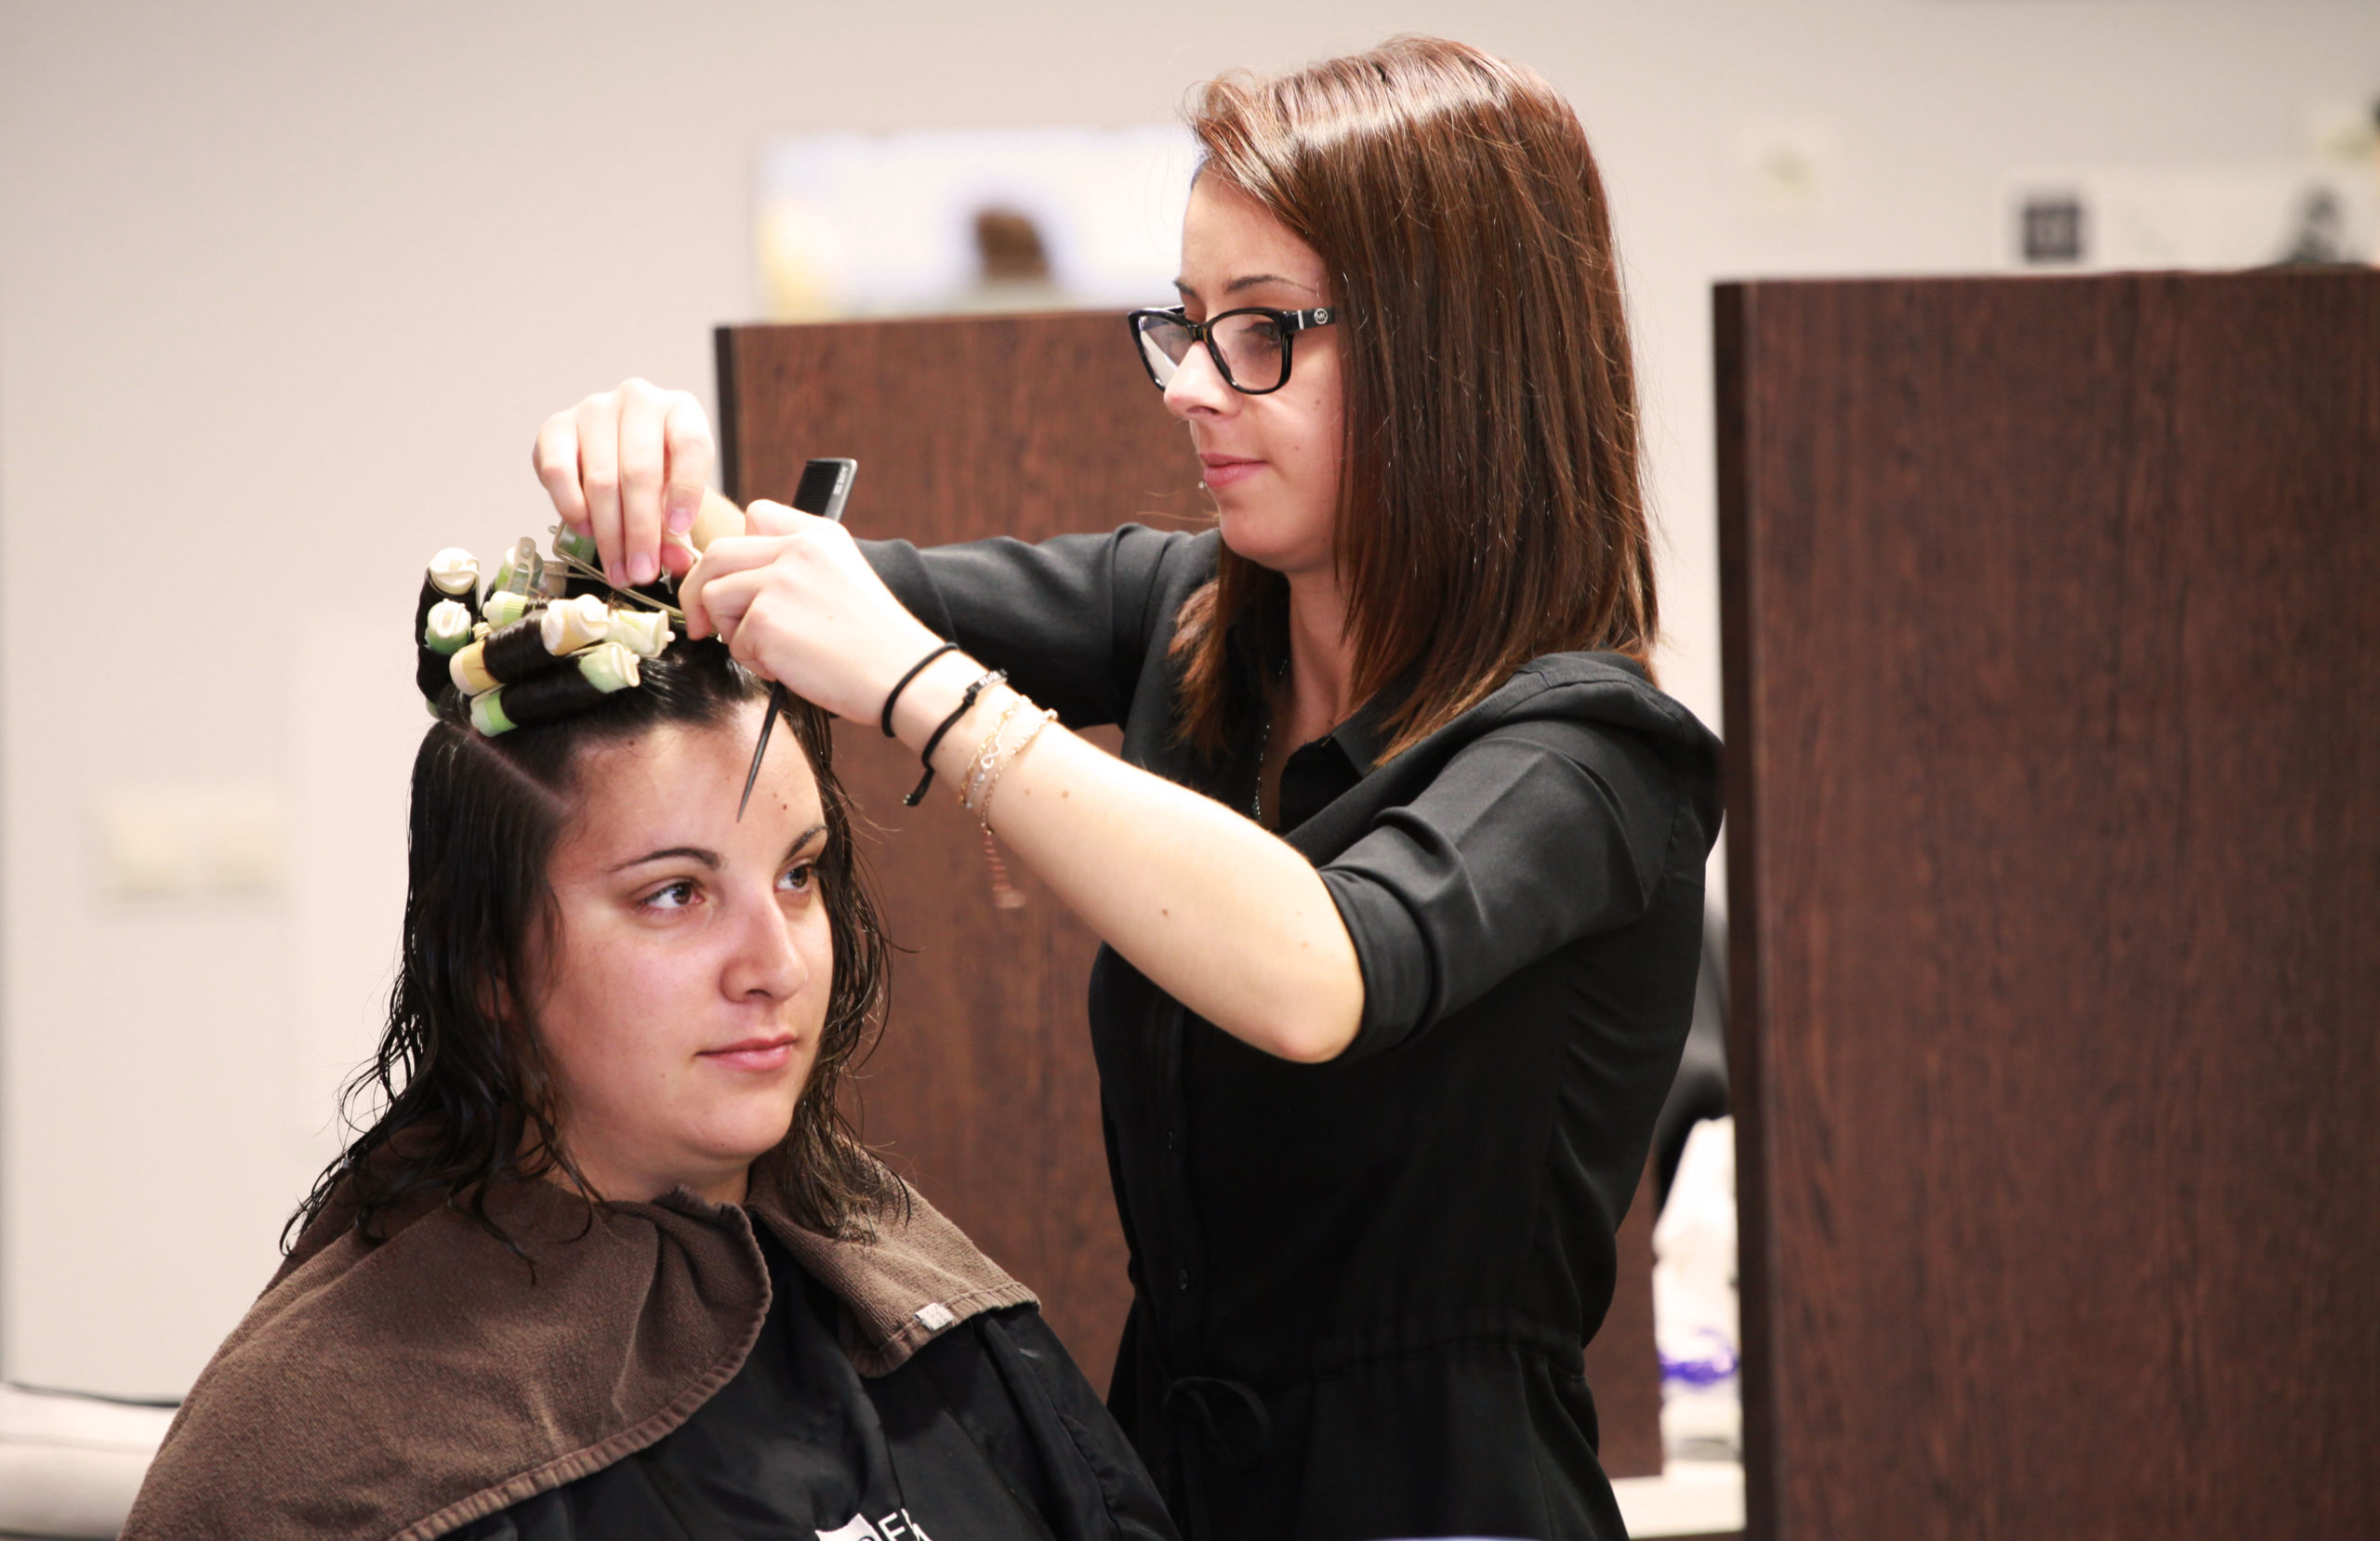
(1168, 1139)
(1184, 1278)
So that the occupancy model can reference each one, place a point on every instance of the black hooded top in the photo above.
(1362, 1287)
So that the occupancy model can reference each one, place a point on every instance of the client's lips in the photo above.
(1223, 470)
(754, 1053)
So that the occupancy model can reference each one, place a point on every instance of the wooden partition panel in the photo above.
(2053, 632)
(983, 1091)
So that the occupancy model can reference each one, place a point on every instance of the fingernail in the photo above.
(682, 518)
(643, 568)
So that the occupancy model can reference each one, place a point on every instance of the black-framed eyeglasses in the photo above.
(1250, 346)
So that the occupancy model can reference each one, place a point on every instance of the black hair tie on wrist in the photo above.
(966, 703)
(885, 721)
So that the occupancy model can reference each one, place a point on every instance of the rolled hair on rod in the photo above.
(451, 579)
(510, 655)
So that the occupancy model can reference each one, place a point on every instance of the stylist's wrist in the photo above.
(928, 702)
(864, 671)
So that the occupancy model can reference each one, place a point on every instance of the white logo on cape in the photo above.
(896, 1526)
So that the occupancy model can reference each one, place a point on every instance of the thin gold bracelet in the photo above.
(983, 805)
(1005, 895)
(970, 785)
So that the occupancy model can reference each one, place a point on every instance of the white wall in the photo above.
(286, 288)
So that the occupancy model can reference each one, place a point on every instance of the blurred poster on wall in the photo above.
(943, 223)
(2197, 218)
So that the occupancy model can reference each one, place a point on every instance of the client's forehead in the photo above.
(676, 786)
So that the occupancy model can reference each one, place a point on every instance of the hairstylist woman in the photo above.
(1400, 873)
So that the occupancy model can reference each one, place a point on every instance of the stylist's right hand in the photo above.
(624, 465)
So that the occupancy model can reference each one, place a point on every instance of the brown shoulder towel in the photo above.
(405, 1388)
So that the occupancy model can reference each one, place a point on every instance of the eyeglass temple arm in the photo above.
(1298, 321)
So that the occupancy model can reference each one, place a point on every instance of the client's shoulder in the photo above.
(904, 1278)
(440, 1371)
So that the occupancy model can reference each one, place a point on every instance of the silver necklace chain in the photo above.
(1263, 747)
(1265, 739)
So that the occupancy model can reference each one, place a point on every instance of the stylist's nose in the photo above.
(765, 964)
(1198, 387)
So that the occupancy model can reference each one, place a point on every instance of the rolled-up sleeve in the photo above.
(1069, 618)
(1534, 835)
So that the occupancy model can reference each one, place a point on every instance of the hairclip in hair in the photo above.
(545, 642)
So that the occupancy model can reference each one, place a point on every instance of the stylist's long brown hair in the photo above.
(1489, 510)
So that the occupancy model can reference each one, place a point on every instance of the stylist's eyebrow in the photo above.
(1256, 280)
(1250, 281)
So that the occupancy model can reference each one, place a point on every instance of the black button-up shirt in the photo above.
(1377, 1273)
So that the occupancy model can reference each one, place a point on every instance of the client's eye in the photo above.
(674, 896)
(800, 877)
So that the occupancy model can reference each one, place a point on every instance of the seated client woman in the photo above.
(609, 1263)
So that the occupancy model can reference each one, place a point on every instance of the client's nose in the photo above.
(765, 959)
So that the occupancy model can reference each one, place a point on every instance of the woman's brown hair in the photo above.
(463, 1100)
(1490, 507)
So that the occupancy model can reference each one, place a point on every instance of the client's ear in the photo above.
(495, 1001)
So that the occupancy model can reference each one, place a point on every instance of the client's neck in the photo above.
(628, 1183)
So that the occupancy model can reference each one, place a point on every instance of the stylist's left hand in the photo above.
(796, 602)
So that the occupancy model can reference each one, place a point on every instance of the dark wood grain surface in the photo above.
(2054, 844)
(983, 1091)
(1624, 1366)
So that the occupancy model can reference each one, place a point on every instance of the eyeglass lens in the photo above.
(1249, 347)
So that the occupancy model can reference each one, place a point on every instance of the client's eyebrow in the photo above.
(711, 858)
(670, 854)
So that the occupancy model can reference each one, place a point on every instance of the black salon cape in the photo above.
(986, 1433)
(1362, 1289)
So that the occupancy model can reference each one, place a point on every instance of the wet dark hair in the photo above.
(458, 1087)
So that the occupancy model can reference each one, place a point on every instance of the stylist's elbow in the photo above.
(1312, 1026)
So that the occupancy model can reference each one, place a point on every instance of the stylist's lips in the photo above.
(1223, 470)
(754, 1053)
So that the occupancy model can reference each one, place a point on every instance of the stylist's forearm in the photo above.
(1221, 915)
(1225, 918)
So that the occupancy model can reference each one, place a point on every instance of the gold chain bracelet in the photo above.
(1006, 895)
(979, 770)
